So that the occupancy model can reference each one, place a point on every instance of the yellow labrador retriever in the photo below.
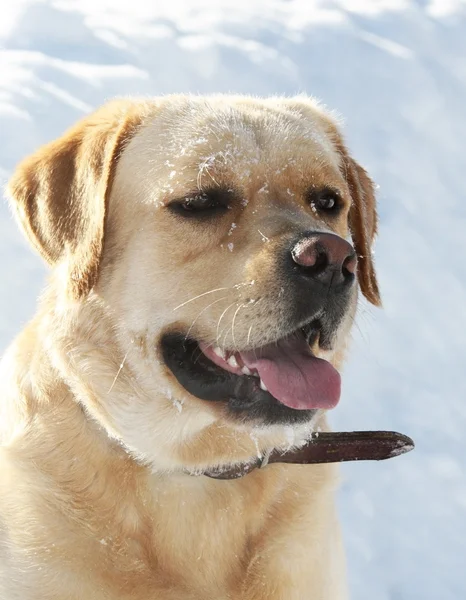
(206, 255)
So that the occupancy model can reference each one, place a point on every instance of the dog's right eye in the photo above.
(204, 203)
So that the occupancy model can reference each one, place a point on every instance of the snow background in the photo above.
(396, 70)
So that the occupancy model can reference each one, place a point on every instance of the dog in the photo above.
(206, 258)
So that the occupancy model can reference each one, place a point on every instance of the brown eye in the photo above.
(198, 202)
(325, 201)
(207, 203)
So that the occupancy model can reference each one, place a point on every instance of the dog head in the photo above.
(223, 240)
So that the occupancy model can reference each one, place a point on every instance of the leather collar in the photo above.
(324, 447)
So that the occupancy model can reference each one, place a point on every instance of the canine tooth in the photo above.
(263, 387)
(245, 370)
(232, 361)
(219, 352)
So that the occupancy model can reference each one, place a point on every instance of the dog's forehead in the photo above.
(253, 129)
(186, 144)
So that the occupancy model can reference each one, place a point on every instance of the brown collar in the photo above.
(326, 447)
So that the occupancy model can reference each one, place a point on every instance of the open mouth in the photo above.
(280, 382)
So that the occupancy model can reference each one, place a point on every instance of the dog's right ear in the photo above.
(59, 194)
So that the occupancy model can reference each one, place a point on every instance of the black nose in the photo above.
(325, 257)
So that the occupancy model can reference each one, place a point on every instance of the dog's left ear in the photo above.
(362, 222)
(60, 193)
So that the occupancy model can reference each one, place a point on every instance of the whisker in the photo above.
(200, 296)
(221, 317)
(225, 338)
(200, 353)
(233, 325)
(354, 323)
(264, 237)
(118, 372)
(202, 311)
(227, 328)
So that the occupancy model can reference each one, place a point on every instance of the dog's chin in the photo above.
(280, 383)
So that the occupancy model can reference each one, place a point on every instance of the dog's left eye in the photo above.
(199, 202)
(327, 201)
(202, 203)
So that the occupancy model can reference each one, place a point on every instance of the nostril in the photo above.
(350, 264)
(321, 261)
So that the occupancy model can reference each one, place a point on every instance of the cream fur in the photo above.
(96, 434)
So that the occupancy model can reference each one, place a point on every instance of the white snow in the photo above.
(178, 405)
(232, 228)
(396, 71)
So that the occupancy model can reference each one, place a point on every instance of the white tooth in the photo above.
(255, 374)
(245, 370)
(232, 361)
(262, 384)
(219, 352)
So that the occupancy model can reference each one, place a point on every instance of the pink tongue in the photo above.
(294, 376)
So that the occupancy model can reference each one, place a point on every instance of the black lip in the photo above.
(241, 395)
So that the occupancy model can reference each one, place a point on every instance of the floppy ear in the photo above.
(363, 223)
(59, 194)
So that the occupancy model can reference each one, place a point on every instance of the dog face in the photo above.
(224, 239)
